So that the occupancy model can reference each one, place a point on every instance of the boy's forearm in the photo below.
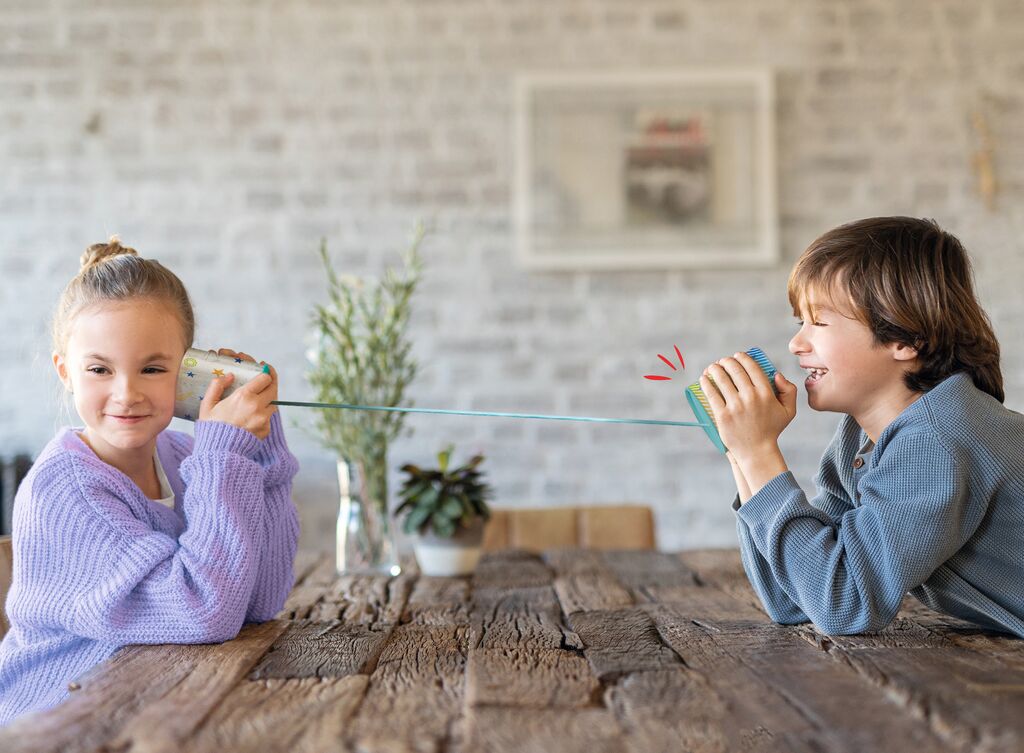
(741, 483)
(760, 467)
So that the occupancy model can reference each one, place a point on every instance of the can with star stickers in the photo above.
(199, 368)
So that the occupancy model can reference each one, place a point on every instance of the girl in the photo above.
(125, 532)
(922, 487)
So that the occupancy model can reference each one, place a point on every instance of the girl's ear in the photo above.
(61, 366)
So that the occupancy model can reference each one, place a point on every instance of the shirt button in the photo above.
(858, 462)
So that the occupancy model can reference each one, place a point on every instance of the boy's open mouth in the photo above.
(814, 375)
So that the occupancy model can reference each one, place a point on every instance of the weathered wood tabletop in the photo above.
(573, 651)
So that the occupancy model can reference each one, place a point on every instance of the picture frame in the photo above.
(645, 170)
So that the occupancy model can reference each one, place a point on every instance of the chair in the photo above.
(6, 571)
(602, 527)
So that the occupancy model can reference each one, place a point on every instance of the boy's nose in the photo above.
(797, 345)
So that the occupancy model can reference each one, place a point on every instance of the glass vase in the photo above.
(364, 537)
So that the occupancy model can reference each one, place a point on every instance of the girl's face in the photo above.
(848, 372)
(122, 366)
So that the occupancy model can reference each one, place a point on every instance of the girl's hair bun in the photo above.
(99, 252)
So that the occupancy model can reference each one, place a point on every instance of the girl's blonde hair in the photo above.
(910, 282)
(110, 273)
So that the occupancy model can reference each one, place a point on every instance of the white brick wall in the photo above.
(225, 138)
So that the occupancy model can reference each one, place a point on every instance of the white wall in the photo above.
(226, 138)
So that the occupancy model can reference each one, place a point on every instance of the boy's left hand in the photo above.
(749, 415)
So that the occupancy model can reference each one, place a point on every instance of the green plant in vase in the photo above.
(445, 510)
(362, 355)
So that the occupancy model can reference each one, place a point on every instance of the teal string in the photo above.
(347, 406)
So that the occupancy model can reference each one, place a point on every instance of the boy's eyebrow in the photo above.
(153, 357)
(819, 307)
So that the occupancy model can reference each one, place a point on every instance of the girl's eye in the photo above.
(97, 369)
(153, 370)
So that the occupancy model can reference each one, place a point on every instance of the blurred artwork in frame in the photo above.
(645, 170)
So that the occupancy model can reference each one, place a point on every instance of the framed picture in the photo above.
(645, 170)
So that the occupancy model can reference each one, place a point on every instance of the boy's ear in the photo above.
(903, 352)
(61, 366)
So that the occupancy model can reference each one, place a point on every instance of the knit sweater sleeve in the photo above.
(849, 574)
(776, 602)
(832, 500)
(279, 537)
(113, 578)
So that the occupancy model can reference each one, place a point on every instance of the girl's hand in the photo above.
(249, 407)
(749, 416)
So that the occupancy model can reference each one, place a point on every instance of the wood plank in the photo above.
(637, 565)
(322, 573)
(584, 582)
(617, 642)
(415, 693)
(307, 560)
(530, 678)
(308, 715)
(511, 568)
(322, 649)
(308, 592)
(969, 698)
(502, 729)
(526, 617)
(927, 661)
(364, 599)
(723, 569)
(591, 592)
(778, 687)
(145, 697)
(574, 561)
(665, 711)
(438, 601)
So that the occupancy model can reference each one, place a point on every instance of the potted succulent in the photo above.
(445, 510)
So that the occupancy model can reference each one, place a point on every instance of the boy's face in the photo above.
(848, 371)
(122, 366)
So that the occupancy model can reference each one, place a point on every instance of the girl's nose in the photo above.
(127, 392)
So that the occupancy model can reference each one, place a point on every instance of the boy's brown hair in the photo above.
(910, 282)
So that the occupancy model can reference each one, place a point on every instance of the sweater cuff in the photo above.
(763, 506)
(275, 443)
(217, 435)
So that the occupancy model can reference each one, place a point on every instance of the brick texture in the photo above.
(226, 138)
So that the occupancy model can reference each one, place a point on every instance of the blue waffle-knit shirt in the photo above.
(935, 508)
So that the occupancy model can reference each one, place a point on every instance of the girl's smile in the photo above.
(122, 367)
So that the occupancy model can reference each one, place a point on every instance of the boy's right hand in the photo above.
(249, 407)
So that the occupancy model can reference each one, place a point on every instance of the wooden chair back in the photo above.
(601, 527)
(6, 573)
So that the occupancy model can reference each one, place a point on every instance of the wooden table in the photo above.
(573, 651)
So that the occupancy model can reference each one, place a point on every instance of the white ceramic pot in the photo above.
(458, 555)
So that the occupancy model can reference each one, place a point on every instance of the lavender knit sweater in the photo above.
(98, 565)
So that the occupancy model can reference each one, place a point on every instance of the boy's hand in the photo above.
(249, 407)
(749, 416)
